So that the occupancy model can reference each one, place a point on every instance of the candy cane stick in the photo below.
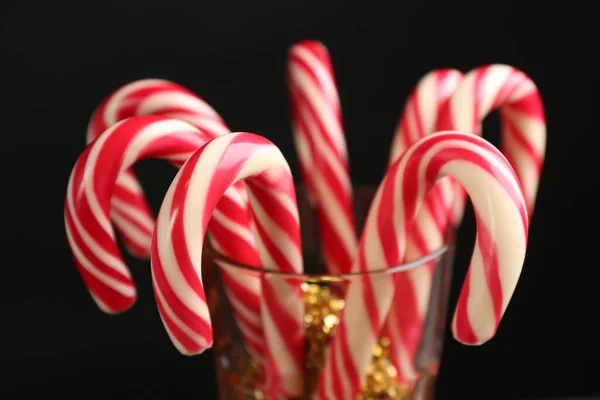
(130, 211)
(321, 147)
(495, 267)
(178, 242)
(514, 94)
(90, 234)
(404, 325)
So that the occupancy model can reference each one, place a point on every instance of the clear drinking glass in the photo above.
(239, 376)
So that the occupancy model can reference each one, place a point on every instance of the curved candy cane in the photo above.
(405, 323)
(514, 94)
(90, 234)
(178, 242)
(130, 212)
(495, 266)
(133, 218)
(322, 153)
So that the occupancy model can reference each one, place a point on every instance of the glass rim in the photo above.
(449, 243)
(322, 276)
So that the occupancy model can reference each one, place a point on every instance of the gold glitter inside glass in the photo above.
(321, 317)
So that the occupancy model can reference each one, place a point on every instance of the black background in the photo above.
(61, 58)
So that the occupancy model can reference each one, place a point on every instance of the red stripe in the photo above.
(332, 243)
(288, 327)
(330, 147)
(287, 224)
(301, 131)
(392, 244)
(445, 120)
(192, 320)
(347, 363)
(189, 344)
(184, 262)
(232, 245)
(90, 224)
(420, 131)
(129, 104)
(178, 109)
(114, 300)
(529, 151)
(453, 153)
(443, 89)
(329, 365)
(410, 322)
(511, 83)
(322, 55)
(133, 201)
(179, 239)
(463, 329)
(489, 254)
(250, 299)
(530, 105)
(479, 95)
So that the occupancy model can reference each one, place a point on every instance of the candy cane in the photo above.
(495, 266)
(514, 94)
(130, 212)
(524, 135)
(321, 147)
(90, 234)
(133, 218)
(405, 322)
(178, 242)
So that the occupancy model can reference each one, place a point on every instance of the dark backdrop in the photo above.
(61, 58)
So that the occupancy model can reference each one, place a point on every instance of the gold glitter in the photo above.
(380, 382)
(321, 317)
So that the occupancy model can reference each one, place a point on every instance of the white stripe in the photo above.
(174, 98)
(139, 142)
(493, 81)
(525, 88)
(496, 210)
(427, 102)
(462, 104)
(278, 346)
(137, 236)
(128, 181)
(200, 340)
(323, 75)
(126, 290)
(322, 109)
(170, 267)
(116, 101)
(133, 213)
(279, 235)
(247, 314)
(210, 127)
(103, 256)
(329, 202)
(242, 232)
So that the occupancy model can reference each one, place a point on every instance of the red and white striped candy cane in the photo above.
(90, 234)
(509, 90)
(130, 211)
(321, 148)
(178, 241)
(91, 186)
(134, 220)
(495, 266)
(524, 135)
(405, 322)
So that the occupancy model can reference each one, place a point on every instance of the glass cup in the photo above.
(240, 376)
